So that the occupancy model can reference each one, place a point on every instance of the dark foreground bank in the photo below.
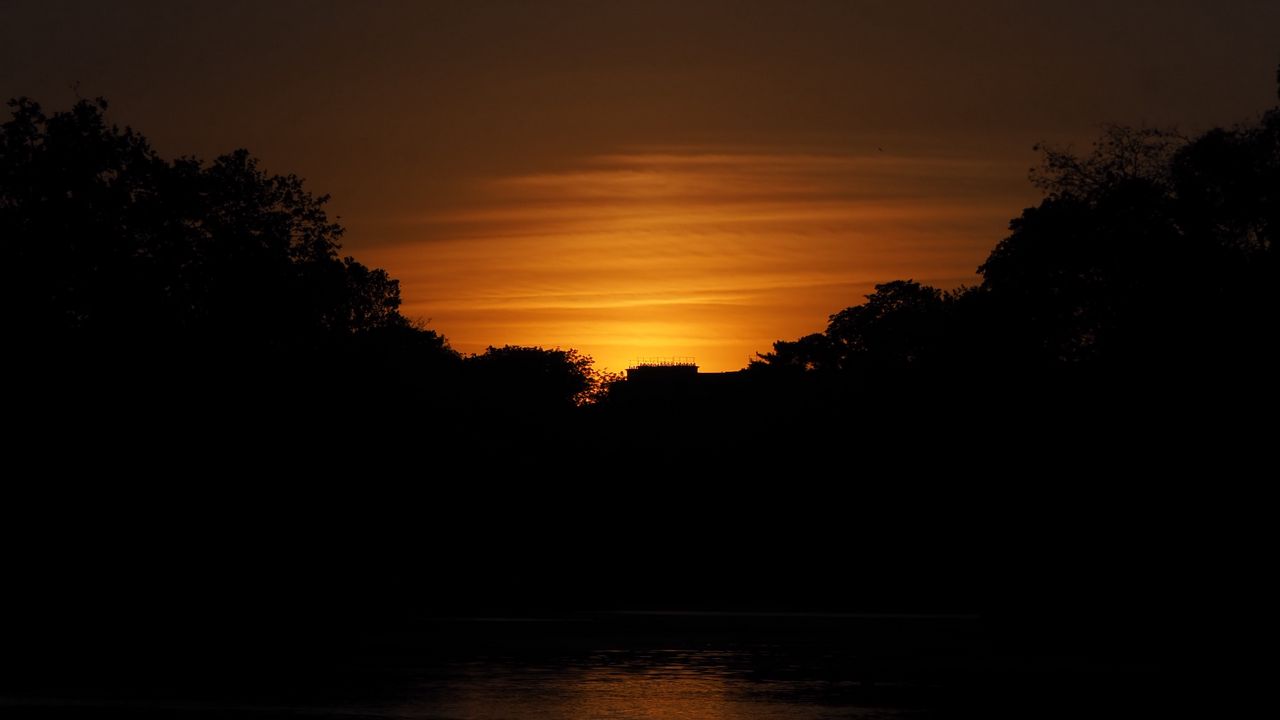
(788, 666)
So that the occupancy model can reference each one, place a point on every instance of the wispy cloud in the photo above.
(706, 253)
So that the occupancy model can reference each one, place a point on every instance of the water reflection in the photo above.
(691, 667)
(641, 685)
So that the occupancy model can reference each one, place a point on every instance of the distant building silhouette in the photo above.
(664, 371)
(667, 382)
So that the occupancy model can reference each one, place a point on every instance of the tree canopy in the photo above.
(105, 241)
(1153, 253)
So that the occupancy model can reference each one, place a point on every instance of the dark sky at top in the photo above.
(690, 178)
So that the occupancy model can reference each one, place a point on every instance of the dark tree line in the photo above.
(107, 242)
(174, 277)
(224, 431)
(1150, 257)
(189, 320)
(1153, 257)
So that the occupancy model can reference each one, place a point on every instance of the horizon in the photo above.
(317, 312)
(650, 179)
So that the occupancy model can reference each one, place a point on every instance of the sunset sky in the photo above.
(650, 178)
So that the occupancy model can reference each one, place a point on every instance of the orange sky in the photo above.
(703, 252)
(649, 177)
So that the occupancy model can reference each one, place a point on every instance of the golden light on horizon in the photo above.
(687, 252)
(636, 686)
(649, 178)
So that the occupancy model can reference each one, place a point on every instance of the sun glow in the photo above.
(708, 254)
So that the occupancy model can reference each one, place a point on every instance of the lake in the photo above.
(646, 666)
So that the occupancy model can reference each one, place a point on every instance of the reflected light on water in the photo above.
(691, 685)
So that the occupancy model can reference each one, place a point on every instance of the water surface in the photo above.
(639, 667)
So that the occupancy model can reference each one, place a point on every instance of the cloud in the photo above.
(705, 252)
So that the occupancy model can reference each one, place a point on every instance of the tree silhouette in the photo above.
(810, 353)
(903, 325)
(1150, 240)
(899, 326)
(105, 242)
(1152, 257)
(533, 379)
